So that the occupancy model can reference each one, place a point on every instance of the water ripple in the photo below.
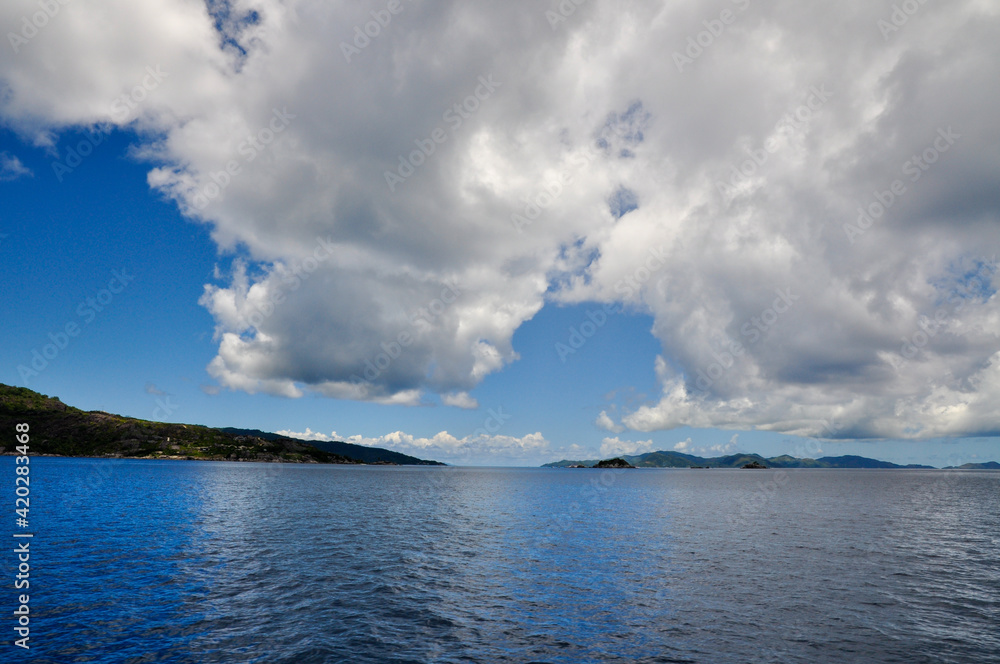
(218, 562)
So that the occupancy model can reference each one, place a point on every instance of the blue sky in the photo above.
(631, 273)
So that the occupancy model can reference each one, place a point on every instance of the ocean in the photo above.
(174, 561)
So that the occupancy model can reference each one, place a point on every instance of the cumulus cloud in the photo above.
(445, 447)
(732, 447)
(605, 422)
(460, 400)
(721, 449)
(616, 447)
(807, 208)
(11, 168)
(308, 434)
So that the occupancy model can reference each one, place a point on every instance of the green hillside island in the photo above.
(679, 460)
(60, 430)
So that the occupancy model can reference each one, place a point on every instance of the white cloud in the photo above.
(11, 167)
(308, 434)
(421, 290)
(722, 449)
(732, 447)
(460, 400)
(531, 448)
(615, 447)
(605, 422)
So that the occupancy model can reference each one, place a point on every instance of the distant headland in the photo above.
(61, 430)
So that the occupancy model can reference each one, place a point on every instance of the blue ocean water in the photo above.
(173, 561)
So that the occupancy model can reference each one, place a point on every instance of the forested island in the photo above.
(753, 461)
(60, 430)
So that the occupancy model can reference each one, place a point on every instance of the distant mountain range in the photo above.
(61, 430)
(679, 460)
